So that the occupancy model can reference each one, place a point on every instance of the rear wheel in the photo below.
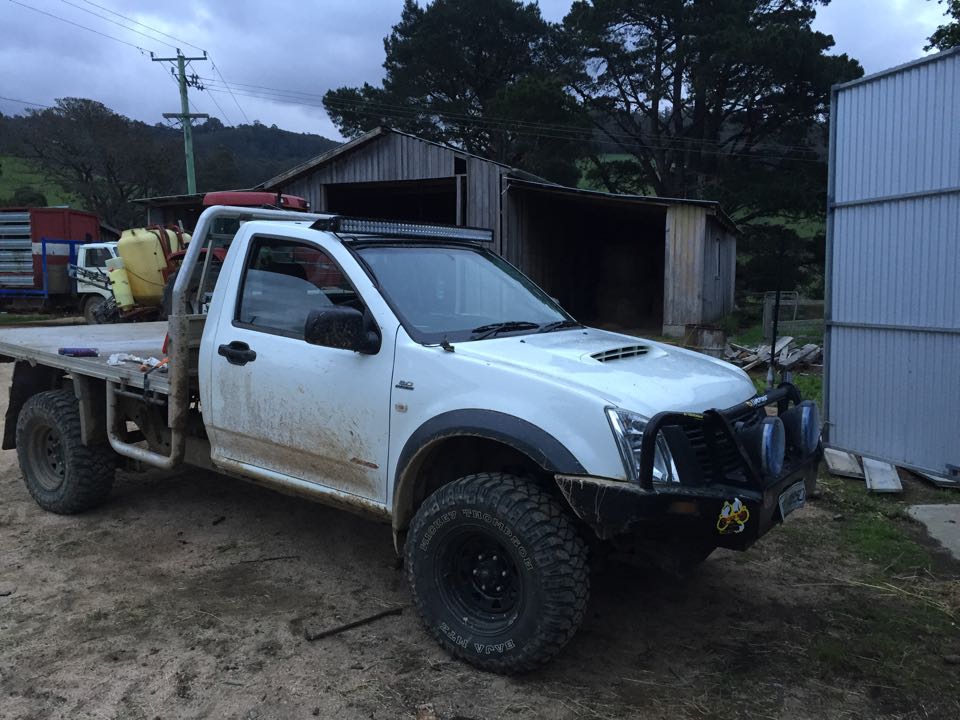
(90, 307)
(498, 572)
(61, 473)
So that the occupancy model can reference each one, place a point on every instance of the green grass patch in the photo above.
(16, 173)
(810, 385)
(750, 336)
(805, 228)
(887, 614)
(18, 319)
(877, 638)
(878, 538)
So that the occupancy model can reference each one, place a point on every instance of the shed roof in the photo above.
(897, 68)
(619, 198)
(160, 200)
(515, 176)
(368, 137)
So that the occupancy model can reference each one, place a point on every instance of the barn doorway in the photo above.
(602, 258)
(432, 200)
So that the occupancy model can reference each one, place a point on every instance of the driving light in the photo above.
(395, 229)
(802, 426)
(628, 430)
(766, 444)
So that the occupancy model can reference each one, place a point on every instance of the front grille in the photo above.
(728, 459)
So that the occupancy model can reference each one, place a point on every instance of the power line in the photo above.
(192, 105)
(185, 116)
(76, 24)
(25, 102)
(236, 102)
(556, 132)
(531, 129)
(142, 24)
(118, 24)
(553, 130)
(229, 121)
(167, 35)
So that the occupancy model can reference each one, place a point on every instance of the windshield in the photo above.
(458, 293)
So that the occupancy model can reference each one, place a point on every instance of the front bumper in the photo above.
(721, 497)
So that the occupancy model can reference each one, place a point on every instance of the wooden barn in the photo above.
(642, 264)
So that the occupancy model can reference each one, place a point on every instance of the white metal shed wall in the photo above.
(893, 266)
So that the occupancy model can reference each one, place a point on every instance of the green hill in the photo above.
(17, 173)
(116, 151)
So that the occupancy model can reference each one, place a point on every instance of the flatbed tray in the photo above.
(39, 345)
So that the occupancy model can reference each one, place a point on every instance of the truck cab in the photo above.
(93, 257)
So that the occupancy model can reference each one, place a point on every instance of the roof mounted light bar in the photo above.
(401, 229)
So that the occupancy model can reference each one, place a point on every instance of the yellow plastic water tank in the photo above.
(119, 283)
(144, 252)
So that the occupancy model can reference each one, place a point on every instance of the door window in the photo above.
(284, 280)
(96, 257)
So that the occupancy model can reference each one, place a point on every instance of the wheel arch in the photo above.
(28, 380)
(462, 442)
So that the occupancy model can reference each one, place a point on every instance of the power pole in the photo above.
(186, 117)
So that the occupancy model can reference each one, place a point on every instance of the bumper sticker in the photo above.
(733, 517)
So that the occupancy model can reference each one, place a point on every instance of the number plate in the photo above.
(792, 498)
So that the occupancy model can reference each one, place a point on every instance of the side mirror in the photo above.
(340, 327)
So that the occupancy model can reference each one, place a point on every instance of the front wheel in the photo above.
(498, 572)
(90, 307)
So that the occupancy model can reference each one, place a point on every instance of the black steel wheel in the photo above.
(498, 571)
(90, 306)
(61, 473)
(478, 578)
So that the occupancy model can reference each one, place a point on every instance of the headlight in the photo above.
(628, 430)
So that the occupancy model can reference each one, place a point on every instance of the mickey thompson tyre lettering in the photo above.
(497, 571)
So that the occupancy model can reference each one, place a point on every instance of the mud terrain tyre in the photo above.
(90, 306)
(62, 474)
(498, 572)
(106, 312)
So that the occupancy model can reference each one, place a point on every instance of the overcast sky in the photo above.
(303, 46)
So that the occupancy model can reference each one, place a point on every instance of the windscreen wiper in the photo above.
(560, 325)
(485, 331)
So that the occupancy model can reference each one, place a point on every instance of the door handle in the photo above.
(237, 353)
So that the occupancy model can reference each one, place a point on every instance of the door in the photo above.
(94, 258)
(279, 404)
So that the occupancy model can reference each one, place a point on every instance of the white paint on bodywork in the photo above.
(549, 380)
(299, 410)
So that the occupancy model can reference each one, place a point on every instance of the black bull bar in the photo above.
(717, 477)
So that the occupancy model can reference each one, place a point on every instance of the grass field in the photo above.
(16, 173)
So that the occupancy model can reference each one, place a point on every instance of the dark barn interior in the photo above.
(432, 200)
(627, 262)
(602, 259)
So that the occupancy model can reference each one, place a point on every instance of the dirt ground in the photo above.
(189, 595)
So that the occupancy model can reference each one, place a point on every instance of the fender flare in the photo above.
(534, 442)
(28, 380)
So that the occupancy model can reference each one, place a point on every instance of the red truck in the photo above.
(38, 246)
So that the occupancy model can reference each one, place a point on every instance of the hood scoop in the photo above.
(628, 351)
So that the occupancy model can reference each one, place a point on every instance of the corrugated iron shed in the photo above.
(892, 348)
(627, 261)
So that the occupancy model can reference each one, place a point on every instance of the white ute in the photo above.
(405, 371)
